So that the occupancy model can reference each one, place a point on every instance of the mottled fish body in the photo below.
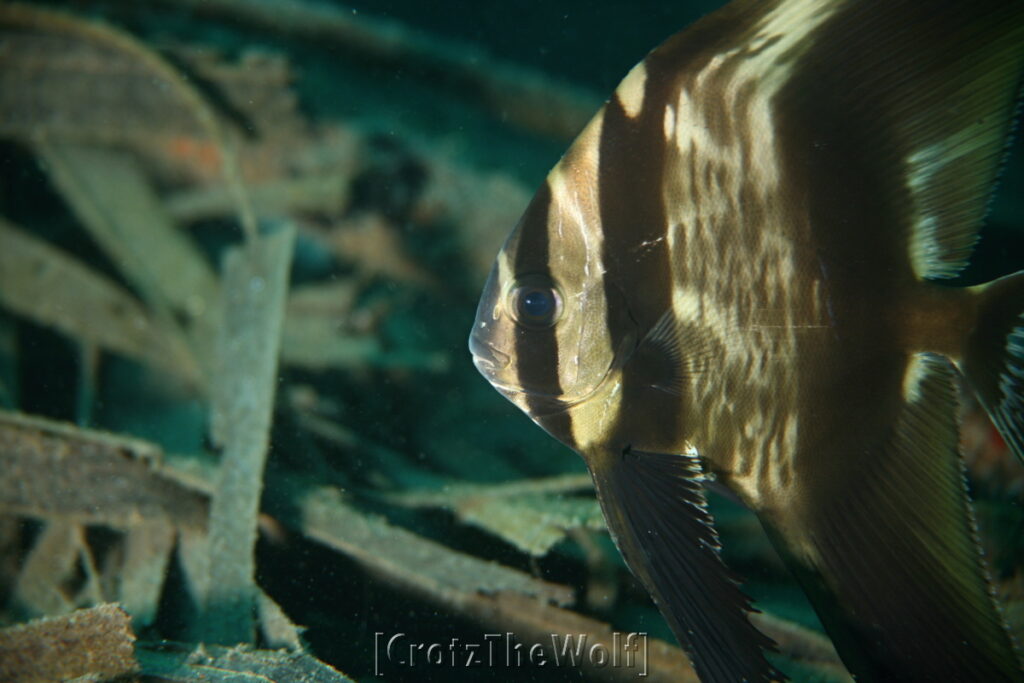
(733, 273)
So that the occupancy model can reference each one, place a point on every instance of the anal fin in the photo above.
(885, 544)
(656, 510)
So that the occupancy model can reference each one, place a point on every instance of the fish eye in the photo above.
(535, 305)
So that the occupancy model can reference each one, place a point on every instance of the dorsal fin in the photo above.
(959, 141)
(918, 98)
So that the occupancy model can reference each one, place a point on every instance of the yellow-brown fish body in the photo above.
(729, 275)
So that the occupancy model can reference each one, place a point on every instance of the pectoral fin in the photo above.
(656, 510)
(885, 543)
(672, 355)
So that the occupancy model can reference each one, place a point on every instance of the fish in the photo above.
(737, 277)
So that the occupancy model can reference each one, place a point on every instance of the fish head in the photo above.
(543, 334)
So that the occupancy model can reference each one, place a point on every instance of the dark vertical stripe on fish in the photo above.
(635, 254)
(536, 351)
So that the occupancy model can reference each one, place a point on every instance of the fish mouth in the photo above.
(487, 359)
(490, 362)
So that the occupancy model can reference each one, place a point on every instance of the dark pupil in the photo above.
(537, 303)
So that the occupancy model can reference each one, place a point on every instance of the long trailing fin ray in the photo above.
(887, 547)
(657, 512)
(919, 99)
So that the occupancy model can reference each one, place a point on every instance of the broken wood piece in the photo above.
(255, 289)
(320, 342)
(277, 630)
(532, 515)
(409, 560)
(253, 89)
(533, 524)
(111, 196)
(185, 663)
(54, 470)
(372, 244)
(322, 332)
(33, 101)
(96, 643)
(45, 285)
(147, 552)
(67, 87)
(67, 78)
(324, 194)
(39, 588)
(109, 193)
(480, 206)
(194, 559)
(562, 483)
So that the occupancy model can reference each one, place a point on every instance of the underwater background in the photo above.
(241, 246)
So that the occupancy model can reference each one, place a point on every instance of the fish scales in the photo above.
(720, 189)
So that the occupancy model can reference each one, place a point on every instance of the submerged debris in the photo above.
(253, 302)
(532, 515)
(55, 471)
(96, 643)
(181, 663)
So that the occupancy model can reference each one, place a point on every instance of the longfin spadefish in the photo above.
(885, 544)
(656, 510)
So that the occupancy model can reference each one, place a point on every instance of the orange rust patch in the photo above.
(201, 155)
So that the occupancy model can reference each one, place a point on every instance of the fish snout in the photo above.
(487, 359)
